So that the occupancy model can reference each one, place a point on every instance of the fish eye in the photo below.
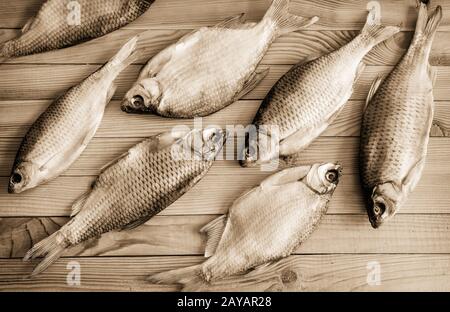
(137, 100)
(16, 178)
(332, 176)
(379, 209)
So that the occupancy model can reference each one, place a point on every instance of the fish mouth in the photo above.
(245, 163)
(134, 106)
(15, 185)
(375, 222)
(377, 213)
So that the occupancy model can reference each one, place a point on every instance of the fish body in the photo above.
(133, 188)
(210, 68)
(63, 130)
(397, 123)
(61, 23)
(263, 225)
(304, 102)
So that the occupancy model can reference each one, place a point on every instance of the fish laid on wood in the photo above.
(308, 98)
(263, 225)
(210, 68)
(60, 24)
(64, 129)
(135, 187)
(397, 123)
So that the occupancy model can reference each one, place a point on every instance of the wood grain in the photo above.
(412, 248)
(344, 149)
(296, 273)
(287, 50)
(347, 199)
(14, 123)
(174, 13)
(25, 82)
(179, 235)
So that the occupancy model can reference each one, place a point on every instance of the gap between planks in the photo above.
(295, 273)
(180, 235)
(196, 13)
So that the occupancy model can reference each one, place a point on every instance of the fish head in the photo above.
(24, 176)
(143, 97)
(205, 144)
(249, 154)
(261, 146)
(324, 178)
(383, 203)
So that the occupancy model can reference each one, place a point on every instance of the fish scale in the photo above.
(63, 130)
(210, 68)
(50, 29)
(397, 123)
(265, 224)
(307, 99)
(133, 188)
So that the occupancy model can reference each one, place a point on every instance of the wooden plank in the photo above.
(179, 235)
(14, 122)
(24, 82)
(287, 50)
(56, 198)
(195, 13)
(343, 149)
(295, 273)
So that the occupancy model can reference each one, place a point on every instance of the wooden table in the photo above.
(413, 249)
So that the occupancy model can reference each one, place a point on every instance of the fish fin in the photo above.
(414, 174)
(427, 25)
(232, 22)
(432, 73)
(284, 21)
(70, 155)
(254, 80)
(301, 139)
(189, 277)
(375, 30)
(311, 58)
(79, 204)
(135, 224)
(213, 231)
(360, 70)
(113, 162)
(51, 247)
(286, 176)
(373, 89)
(126, 55)
(111, 91)
(28, 25)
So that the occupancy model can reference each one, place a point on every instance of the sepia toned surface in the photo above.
(413, 250)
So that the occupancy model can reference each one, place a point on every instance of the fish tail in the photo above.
(126, 55)
(427, 25)
(190, 278)
(51, 248)
(284, 21)
(373, 29)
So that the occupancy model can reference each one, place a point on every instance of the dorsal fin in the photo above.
(373, 89)
(28, 25)
(257, 76)
(79, 204)
(232, 22)
(213, 231)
